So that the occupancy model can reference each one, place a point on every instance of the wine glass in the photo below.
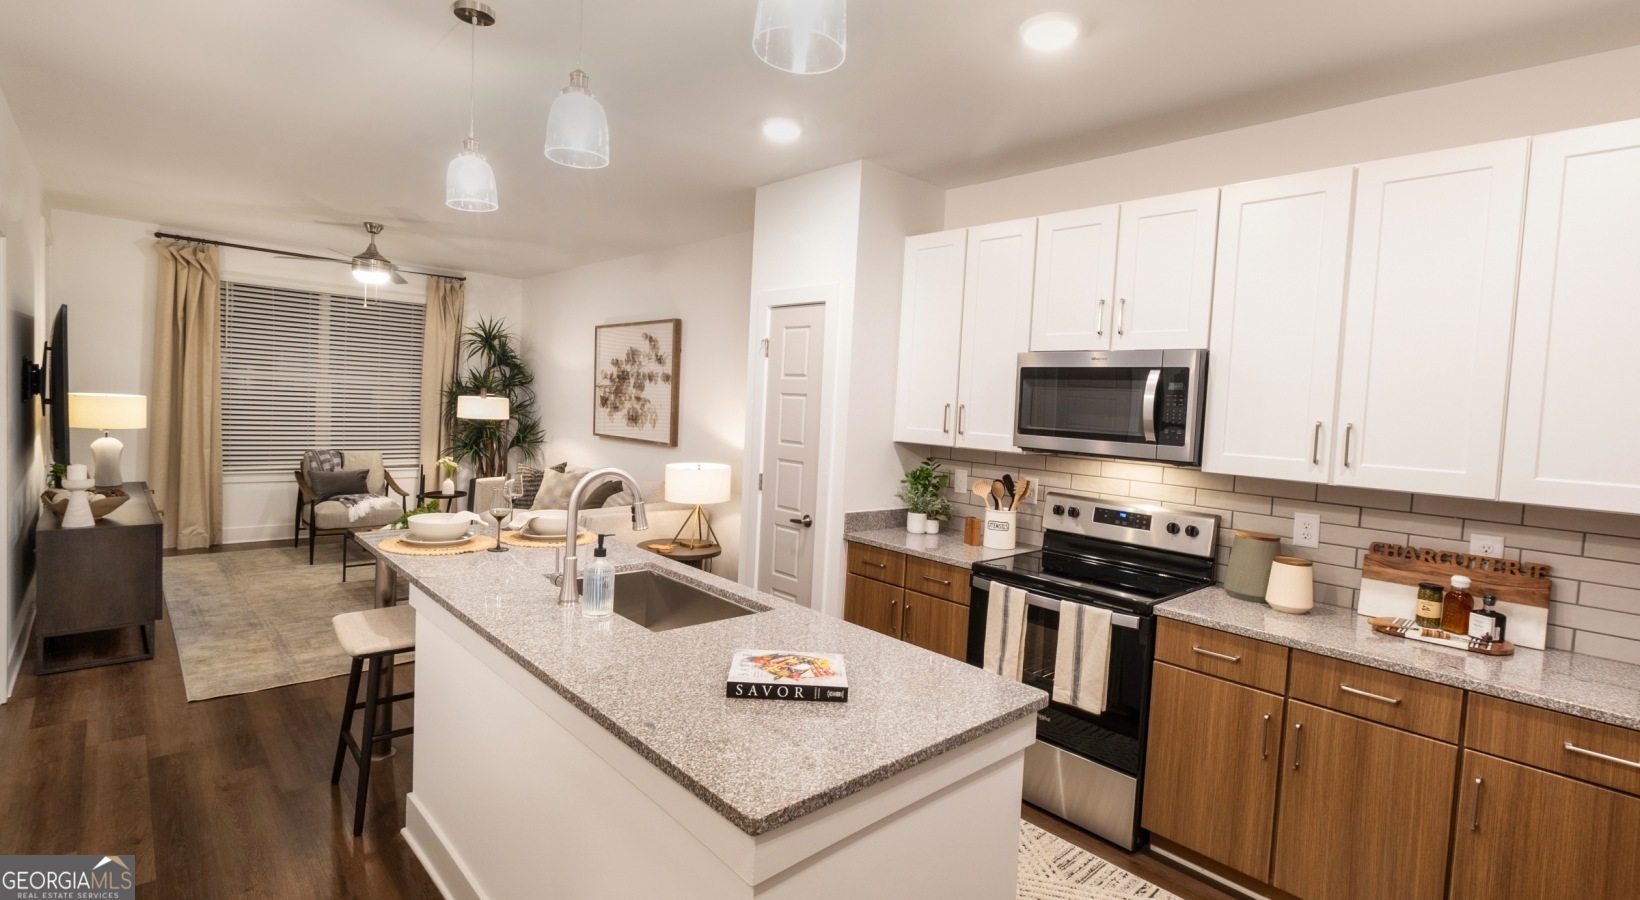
(501, 510)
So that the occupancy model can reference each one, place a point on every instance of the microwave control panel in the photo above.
(1173, 407)
(1146, 526)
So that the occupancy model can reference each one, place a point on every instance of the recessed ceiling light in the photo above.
(782, 131)
(1050, 32)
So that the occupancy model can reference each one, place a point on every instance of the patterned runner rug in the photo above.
(1051, 869)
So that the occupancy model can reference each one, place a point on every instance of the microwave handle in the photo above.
(1151, 384)
(1120, 620)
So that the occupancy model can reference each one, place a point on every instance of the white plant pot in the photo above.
(916, 523)
(447, 486)
(933, 526)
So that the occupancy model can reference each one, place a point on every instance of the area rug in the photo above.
(248, 620)
(1052, 869)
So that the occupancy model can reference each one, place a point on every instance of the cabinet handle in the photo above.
(1298, 732)
(962, 418)
(1475, 811)
(945, 420)
(1347, 430)
(1121, 314)
(1392, 701)
(905, 623)
(893, 605)
(1224, 656)
(1264, 739)
(936, 580)
(1580, 751)
(1315, 446)
(1100, 321)
(872, 562)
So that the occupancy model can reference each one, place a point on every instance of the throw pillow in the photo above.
(600, 493)
(337, 484)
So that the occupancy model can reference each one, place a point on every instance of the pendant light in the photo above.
(804, 37)
(577, 129)
(469, 182)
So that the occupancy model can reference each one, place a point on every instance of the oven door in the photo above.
(1138, 404)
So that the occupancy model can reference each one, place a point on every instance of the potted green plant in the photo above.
(495, 366)
(922, 490)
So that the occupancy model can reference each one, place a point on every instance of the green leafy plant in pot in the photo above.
(922, 490)
(494, 365)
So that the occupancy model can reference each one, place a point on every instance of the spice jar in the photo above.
(1429, 606)
(1456, 606)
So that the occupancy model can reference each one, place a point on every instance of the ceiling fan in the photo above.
(369, 266)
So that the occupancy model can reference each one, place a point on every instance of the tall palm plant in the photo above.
(494, 366)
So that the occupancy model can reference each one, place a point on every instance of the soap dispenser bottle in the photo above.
(598, 588)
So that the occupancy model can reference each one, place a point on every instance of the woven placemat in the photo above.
(470, 545)
(512, 539)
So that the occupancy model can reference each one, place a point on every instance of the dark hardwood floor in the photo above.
(232, 796)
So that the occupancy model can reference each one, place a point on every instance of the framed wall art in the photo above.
(635, 381)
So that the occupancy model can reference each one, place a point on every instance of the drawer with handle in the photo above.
(1567, 745)
(936, 579)
(1255, 663)
(1430, 709)
(887, 566)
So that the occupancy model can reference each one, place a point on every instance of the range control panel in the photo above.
(1145, 526)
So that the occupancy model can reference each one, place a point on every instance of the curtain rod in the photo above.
(164, 235)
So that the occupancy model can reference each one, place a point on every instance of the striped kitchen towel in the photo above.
(1082, 659)
(1005, 631)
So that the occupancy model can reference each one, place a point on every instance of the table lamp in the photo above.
(105, 413)
(698, 484)
(483, 407)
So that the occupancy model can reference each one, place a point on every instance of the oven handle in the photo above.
(1120, 620)
(1150, 404)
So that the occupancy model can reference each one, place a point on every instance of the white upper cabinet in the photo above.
(1427, 325)
(1164, 272)
(1075, 280)
(1572, 424)
(1278, 304)
(996, 328)
(925, 402)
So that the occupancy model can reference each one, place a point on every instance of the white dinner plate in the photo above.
(419, 543)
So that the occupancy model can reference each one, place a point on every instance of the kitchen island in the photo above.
(559, 756)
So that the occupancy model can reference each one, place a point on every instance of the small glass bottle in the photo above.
(1429, 605)
(1456, 606)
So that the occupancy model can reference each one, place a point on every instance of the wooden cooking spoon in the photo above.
(997, 491)
(982, 490)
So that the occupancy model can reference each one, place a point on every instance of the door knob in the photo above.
(807, 521)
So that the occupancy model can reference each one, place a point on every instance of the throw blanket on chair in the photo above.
(357, 505)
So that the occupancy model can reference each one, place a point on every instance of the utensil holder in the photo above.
(1001, 528)
(1249, 571)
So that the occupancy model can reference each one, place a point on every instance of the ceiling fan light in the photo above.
(469, 183)
(371, 271)
(804, 37)
(577, 129)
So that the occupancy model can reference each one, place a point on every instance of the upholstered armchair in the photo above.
(326, 516)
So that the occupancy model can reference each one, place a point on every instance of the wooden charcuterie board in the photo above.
(1391, 573)
(1409, 629)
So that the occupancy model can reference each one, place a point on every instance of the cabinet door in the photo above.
(930, 335)
(1576, 326)
(1522, 832)
(1075, 280)
(1365, 809)
(1164, 272)
(1211, 767)
(1278, 305)
(996, 328)
(1426, 331)
(935, 624)
(872, 604)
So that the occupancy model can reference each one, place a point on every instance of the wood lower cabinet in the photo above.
(934, 617)
(873, 604)
(1523, 832)
(1211, 770)
(935, 624)
(1365, 809)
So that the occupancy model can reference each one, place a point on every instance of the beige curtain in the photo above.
(440, 351)
(185, 420)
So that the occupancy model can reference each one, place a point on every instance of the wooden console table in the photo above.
(99, 578)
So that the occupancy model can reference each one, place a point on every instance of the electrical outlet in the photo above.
(1486, 545)
(1306, 529)
(960, 481)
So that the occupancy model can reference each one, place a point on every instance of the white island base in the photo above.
(518, 794)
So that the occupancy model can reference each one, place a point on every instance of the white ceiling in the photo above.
(288, 121)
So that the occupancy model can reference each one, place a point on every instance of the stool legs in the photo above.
(367, 741)
(347, 718)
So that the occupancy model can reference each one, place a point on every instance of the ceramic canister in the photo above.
(1250, 556)
(1000, 527)
(1292, 585)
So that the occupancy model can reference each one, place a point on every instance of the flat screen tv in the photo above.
(50, 381)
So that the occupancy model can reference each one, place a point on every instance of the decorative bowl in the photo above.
(57, 500)
(549, 523)
(450, 526)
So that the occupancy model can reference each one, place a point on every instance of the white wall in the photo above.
(23, 274)
(705, 285)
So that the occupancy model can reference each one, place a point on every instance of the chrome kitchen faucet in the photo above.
(569, 590)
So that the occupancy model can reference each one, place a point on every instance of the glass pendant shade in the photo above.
(469, 183)
(805, 37)
(577, 129)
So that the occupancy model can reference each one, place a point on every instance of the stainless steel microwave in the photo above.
(1133, 404)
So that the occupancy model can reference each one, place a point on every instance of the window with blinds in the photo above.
(303, 370)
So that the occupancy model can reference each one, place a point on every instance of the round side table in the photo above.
(447, 498)
(689, 556)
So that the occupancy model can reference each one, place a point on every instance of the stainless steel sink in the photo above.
(659, 603)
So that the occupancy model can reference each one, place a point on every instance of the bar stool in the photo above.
(374, 635)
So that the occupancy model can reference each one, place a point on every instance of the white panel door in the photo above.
(1278, 305)
(925, 397)
(1428, 317)
(791, 451)
(1572, 425)
(1075, 280)
(996, 328)
(1164, 272)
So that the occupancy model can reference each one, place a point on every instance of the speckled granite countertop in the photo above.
(1574, 683)
(946, 547)
(906, 705)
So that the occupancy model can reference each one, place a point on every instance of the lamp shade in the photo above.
(697, 483)
(106, 412)
(804, 37)
(469, 182)
(577, 129)
(483, 407)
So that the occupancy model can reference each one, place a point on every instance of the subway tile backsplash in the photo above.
(1594, 556)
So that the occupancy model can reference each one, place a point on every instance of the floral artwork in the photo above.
(635, 382)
